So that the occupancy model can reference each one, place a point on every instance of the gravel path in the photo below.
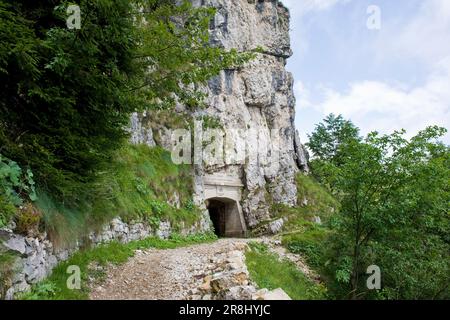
(161, 274)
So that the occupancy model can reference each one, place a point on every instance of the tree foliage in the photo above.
(329, 136)
(68, 94)
(394, 196)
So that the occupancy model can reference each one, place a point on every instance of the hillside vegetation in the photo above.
(138, 185)
(65, 163)
(389, 201)
(66, 166)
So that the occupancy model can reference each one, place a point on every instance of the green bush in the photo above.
(14, 183)
(394, 204)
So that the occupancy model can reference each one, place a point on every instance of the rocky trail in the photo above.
(164, 274)
(200, 272)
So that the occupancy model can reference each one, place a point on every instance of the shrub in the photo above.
(14, 183)
(27, 220)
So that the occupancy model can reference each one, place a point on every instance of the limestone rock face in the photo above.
(258, 96)
(247, 24)
(140, 134)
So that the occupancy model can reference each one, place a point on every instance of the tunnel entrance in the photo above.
(224, 215)
(217, 212)
(222, 194)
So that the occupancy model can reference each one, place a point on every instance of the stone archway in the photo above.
(223, 196)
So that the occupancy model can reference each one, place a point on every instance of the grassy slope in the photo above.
(137, 186)
(269, 272)
(301, 235)
(319, 203)
(55, 286)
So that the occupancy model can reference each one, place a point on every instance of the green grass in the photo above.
(7, 260)
(303, 236)
(137, 185)
(320, 203)
(55, 286)
(319, 197)
(269, 272)
(319, 200)
(310, 243)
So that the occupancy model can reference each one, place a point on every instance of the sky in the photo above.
(383, 64)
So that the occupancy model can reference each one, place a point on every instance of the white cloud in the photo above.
(382, 107)
(426, 36)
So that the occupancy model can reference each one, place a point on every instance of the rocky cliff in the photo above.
(258, 99)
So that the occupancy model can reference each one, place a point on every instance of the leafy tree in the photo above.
(326, 140)
(394, 196)
(68, 94)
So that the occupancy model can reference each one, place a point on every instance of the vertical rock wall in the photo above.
(258, 96)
